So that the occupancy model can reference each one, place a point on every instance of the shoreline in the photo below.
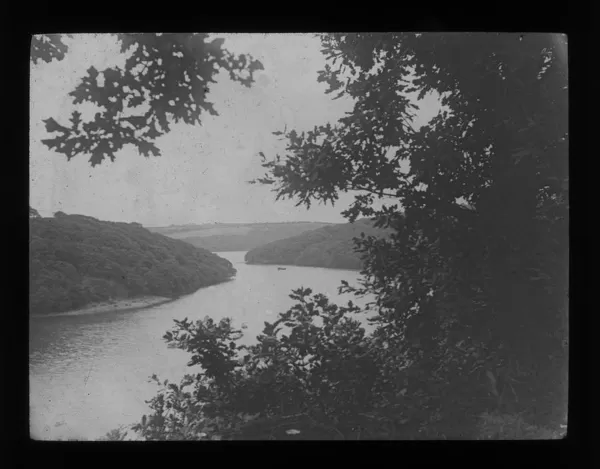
(298, 265)
(122, 305)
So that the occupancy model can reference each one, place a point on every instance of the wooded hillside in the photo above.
(330, 246)
(76, 260)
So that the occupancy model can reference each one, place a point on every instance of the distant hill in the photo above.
(224, 237)
(330, 246)
(76, 260)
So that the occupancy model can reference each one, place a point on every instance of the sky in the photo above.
(202, 174)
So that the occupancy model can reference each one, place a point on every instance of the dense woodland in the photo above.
(331, 247)
(223, 237)
(76, 260)
(471, 310)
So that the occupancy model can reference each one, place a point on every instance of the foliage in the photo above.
(330, 246)
(470, 287)
(313, 374)
(47, 47)
(313, 371)
(165, 80)
(76, 260)
(118, 434)
(478, 260)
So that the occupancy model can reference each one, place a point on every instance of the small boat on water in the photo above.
(280, 268)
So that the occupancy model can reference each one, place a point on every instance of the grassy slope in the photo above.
(236, 236)
(330, 247)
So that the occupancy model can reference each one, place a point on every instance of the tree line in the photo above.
(76, 260)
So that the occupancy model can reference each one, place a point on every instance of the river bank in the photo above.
(273, 264)
(91, 371)
(121, 305)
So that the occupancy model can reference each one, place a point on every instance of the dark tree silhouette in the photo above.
(480, 255)
(47, 47)
(165, 80)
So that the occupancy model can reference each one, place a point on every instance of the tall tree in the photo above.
(480, 252)
(165, 80)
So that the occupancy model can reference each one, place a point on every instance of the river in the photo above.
(90, 373)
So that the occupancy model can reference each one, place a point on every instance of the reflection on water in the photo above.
(89, 373)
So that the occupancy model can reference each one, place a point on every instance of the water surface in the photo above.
(89, 373)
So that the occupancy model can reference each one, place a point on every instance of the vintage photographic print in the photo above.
(299, 236)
